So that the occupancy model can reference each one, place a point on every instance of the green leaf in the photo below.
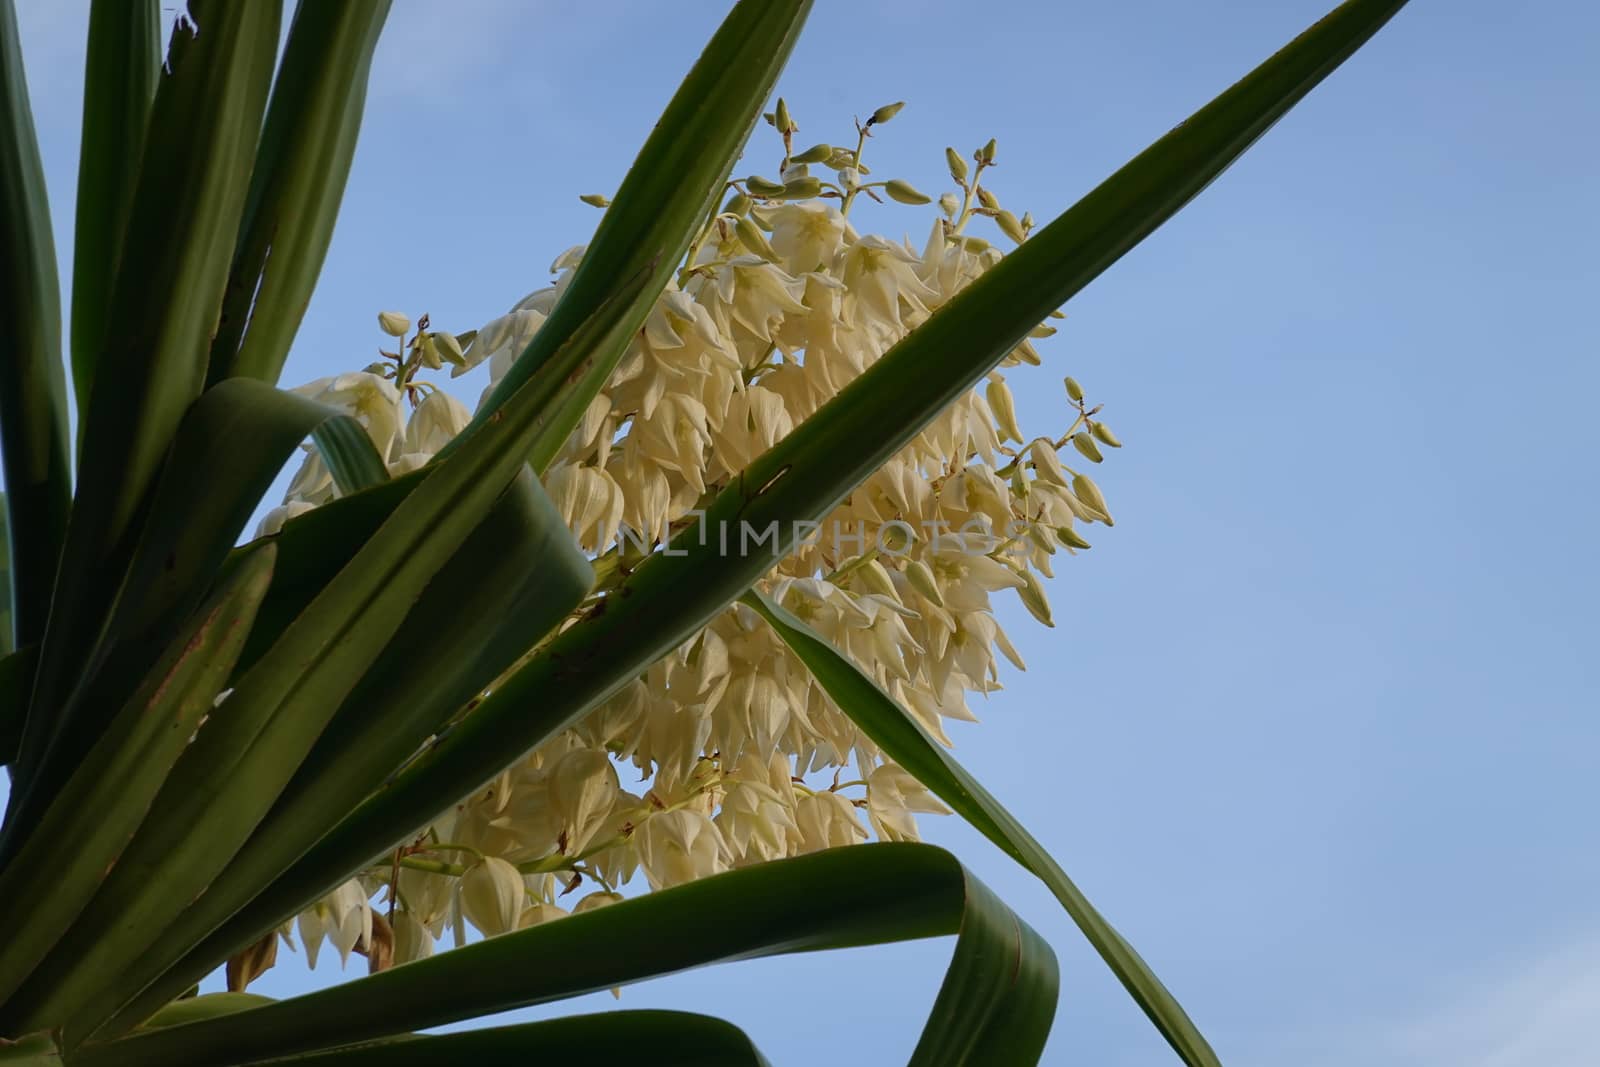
(306, 147)
(351, 456)
(16, 681)
(229, 447)
(904, 740)
(995, 1006)
(210, 1006)
(672, 1038)
(678, 176)
(86, 828)
(33, 411)
(197, 154)
(119, 85)
(486, 607)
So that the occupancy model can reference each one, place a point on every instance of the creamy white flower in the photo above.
(680, 846)
(435, 422)
(492, 894)
(369, 398)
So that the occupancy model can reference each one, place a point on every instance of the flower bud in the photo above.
(763, 186)
(1074, 390)
(988, 199)
(595, 200)
(817, 153)
(738, 204)
(986, 153)
(600, 899)
(754, 240)
(957, 165)
(800, 189)
(1103, 433)
(782, 119)
(1089, 494)
(973, 244)
(1010, 226)
(905, 193)
(795, 171)
(1070, 537)
(998, 394)
(1085, 444)
(412, 940)
(1032, 593)
(393, 323)
(876, 578)
(1045, 463)
(922, 580)
(448, 346)
(949, 203)
(1042, 331)
(885, 113)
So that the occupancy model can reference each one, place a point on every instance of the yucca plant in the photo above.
(206, 736)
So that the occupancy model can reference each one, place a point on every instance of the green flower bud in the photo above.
(987, 199)
(393, 323)
(817, 153)
(1074, 390)
(1085, 444)
(998, 394)
(595, 200)
(782, 118)
(1010, 226)
(1071, 538)
(905, 193)
(957, 165)
(1089, 495)
(738, 204)
(876, 578)
(1032, 593)
(922, 580)
(986, 153)
(885, 113)
(801, 189)
(1104, 434)
(973, 244)
(763, 186)
(449, 346)
(752, 239)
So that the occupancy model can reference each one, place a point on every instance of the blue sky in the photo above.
(1317, 726)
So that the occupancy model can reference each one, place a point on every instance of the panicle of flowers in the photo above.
(741, 757)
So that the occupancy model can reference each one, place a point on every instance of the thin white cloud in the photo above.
(1541, 1013)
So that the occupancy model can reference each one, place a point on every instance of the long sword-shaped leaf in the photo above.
(230, 445)
(351, 456)
(198, 152)
(674, 1038)
(486, 607)
(91, 821)
(904, 740)
(996, 1004)
(805, 475)
(306, 148)
(679, 173)
(33, 406)
(16, 681)
(119, 85)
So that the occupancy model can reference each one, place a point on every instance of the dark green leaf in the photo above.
(996, 1004)
(351, 456)
(33, 406)
(16, 682)
(119, 85)
(85, 830)
(667, 1038)
(306, 148)
(197, 154)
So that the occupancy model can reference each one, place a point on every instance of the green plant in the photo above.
(203, 739)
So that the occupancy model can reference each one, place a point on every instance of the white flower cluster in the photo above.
(779, 304)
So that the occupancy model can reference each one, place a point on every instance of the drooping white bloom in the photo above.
(492, 894)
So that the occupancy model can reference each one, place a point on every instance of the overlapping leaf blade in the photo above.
(33, 411)
(119, 85)
(306, 148)
(89, 824)
(198, 153)
(995, 1006)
